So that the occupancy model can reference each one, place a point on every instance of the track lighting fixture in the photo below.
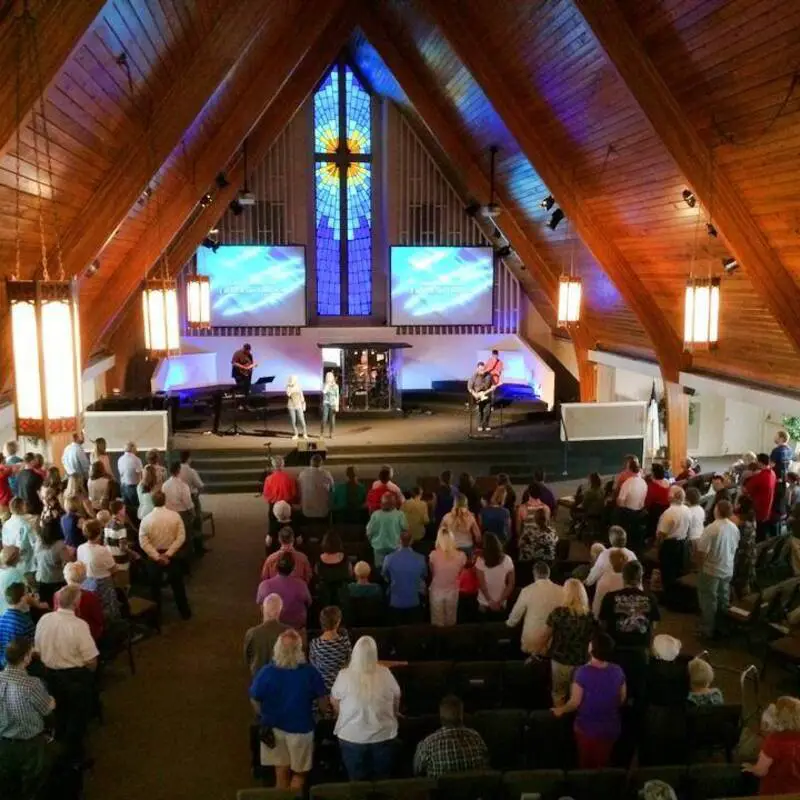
(211, 244)
(548, 202)
(689, 198)
(236, 207)
(206, 200)
(730, 265)
(222, 181)
(711, 230)
(92, 269)
(504, 252)
(555, 218)
(472, 209)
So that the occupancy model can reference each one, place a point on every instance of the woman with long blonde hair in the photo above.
(366, 697)
(283, 694)
(296, 403)
(462, 524)
(330, 404)
(446, 561)
(569, 630)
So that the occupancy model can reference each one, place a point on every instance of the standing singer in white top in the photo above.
(296, 403)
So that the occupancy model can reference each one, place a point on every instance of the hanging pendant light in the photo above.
(701, 313)
(570, 289)
(569, 300)
(198, 302)
(160, 309)
(45, 331)
(701, 305)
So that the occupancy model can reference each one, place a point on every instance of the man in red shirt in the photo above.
(302, 566)
(6, 471)
(280, 485)
(761, 489)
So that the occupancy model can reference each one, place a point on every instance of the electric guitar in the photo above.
(481, 396)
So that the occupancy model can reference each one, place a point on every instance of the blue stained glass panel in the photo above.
(358, 117)
(359, 239)
(326, 114)
(328, 236)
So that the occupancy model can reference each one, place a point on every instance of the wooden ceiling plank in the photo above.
(445, 133)
(539, 151)
(233, 36)
(60, 31)
(288, 69)
(748, 243)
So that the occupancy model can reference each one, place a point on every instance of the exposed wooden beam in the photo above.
(677, 402)
(299, 63)
(60, 29)
(407, 68)
(770, 278)
(235, 32)
(459, 30)
(587, 376)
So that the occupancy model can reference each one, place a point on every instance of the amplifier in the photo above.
(305, 449)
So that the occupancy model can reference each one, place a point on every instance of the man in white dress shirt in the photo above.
(189, 476)
(76, 466)
(673, 533)
(68, 651)
(617, 539)
(630, 505)
(130, 469)
(161, 536)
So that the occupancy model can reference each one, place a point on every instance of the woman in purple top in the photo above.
(293, 591)
(598, 691)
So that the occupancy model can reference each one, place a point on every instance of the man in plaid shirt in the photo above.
(453, 748)
(26, 753)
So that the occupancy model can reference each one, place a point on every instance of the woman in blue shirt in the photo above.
(283, 694)
(330, 404)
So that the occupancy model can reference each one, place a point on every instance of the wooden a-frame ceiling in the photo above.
(612, 106)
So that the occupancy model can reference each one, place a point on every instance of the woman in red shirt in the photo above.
(657, 488)
(778, 764)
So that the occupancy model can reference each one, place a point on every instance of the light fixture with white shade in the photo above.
(701, 313)
(45, 332)
(160, 310)
(570, 289)
(198, 302)
(569, 300)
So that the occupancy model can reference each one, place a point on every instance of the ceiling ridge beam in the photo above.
(307, 51)
(451, 18)
(736, 225)
(444, 132)
(232, 36)
(61, 29)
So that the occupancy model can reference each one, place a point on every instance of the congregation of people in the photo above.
(364, 554)
(76, 541)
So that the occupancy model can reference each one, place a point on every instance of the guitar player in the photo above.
(481, 386)
(242, 366)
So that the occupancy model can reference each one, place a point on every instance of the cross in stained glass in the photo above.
(343, 181)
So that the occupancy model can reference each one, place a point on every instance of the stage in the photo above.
(421, 442)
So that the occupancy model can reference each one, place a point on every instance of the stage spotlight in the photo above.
(548, 202)
(210, 244)
(236, 207)
(712, 231)
(689, 198)
(206, 200)
(555, 218)
(730, 265)
(222, 181)
(504, 252)
(92, 269)
(473, 209)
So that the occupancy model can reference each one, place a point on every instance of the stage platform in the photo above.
(415, 445)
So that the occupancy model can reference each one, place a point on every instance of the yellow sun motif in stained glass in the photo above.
(357, 173)
(329, 140)
(357, 142)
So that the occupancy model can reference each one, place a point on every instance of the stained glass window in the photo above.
(343, 181)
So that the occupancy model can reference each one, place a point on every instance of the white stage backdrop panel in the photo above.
(255, 284)
(585, 422)
(442, 285)
(149, 429)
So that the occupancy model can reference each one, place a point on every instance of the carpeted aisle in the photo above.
(177, 730)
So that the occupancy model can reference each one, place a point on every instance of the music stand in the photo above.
(262, 383)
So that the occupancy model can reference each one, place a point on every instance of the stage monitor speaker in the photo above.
(306, 448)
